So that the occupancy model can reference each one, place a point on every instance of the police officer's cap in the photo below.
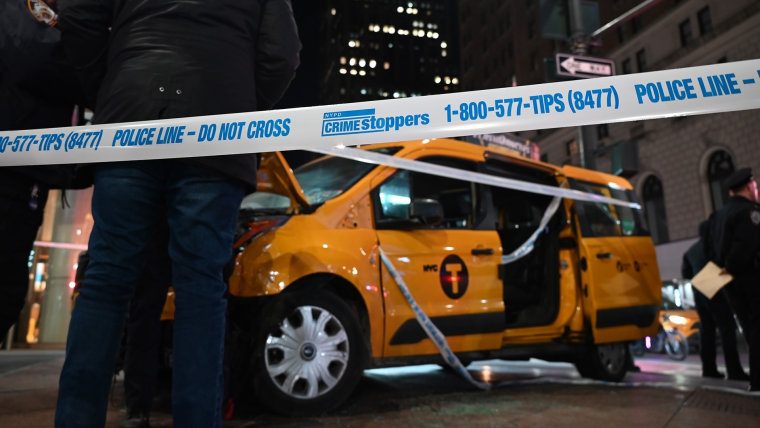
(738, 179)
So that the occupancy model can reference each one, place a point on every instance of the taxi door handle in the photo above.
(482, 251)
(604, 256)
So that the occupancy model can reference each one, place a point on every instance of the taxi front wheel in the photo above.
(607, 362)
(309, 354)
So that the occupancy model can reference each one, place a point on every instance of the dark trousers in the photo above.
(716, 313)
(744, 297)
(142, 360)
(20, 218)
(201, 211)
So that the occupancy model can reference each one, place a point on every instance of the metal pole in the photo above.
(579, 42)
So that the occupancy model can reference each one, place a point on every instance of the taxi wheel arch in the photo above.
(269, 386)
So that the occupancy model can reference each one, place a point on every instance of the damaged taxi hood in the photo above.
(275, 176)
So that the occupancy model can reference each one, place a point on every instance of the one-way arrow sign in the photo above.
(583, 66)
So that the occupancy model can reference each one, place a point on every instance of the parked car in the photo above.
(312, 306)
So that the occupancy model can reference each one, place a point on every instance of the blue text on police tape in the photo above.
(682, 89)
(364, 121)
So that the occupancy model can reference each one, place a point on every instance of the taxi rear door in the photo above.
(620, 283)
(450, 268)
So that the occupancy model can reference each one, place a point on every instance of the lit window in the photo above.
(400, 9)
(444, 45)
(343, 60)
(443, 53)
(362, 62)
(351, 44)
(333, 11)
(437, 79)
(372, 63)
(362, 73)
(455, 81)
(386, 65)
(343, 71)
(353, 72)
(447, 80)
(352, 61)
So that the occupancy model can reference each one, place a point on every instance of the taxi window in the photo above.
(328, 177)
(458, 198)
(599, 220)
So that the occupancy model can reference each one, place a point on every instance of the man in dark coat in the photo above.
(156, 59)
(736, 243)
(713, 313)
(38, 90)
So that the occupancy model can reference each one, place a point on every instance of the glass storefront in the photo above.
(44, 321)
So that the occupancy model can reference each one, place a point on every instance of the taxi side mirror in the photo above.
(427, 211)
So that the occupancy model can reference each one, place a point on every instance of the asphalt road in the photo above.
(525, 394)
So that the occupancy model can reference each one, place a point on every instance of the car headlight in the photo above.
(677, 319)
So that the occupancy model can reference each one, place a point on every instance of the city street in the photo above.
(664, 394)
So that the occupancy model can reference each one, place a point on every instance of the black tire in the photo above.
(299, 384)
(608, 362)
(676, 346)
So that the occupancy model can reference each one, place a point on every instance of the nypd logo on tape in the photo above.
(365, 121)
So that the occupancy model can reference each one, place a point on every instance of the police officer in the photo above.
(713, 313)
(736, 245)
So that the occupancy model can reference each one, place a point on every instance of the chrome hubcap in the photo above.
(307, 354)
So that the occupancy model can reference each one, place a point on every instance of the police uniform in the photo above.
(713, 313)
(737, 249)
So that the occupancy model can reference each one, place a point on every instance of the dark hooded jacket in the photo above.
(156, 59)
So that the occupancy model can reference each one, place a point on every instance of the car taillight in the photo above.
(257, 227)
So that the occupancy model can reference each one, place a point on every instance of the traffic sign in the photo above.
(583, 66)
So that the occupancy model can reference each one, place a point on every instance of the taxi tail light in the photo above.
(255, 228)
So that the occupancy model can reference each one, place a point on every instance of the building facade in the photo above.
(676, 165)
(379, 49)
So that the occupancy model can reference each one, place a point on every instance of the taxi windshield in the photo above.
(328, 177)
(599, 219)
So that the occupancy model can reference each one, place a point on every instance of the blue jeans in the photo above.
(129, 202)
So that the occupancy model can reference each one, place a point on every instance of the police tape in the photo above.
(527, 247)
(475, 177)
(435, 335)
(679, 92)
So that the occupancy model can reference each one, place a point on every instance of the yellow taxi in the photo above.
(311, 295)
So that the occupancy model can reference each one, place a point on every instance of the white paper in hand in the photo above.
(709, 280)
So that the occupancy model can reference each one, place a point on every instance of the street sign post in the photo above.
(583, 66)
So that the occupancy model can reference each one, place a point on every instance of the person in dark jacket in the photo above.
(713, 313)
(736, 243)
(157, 59)
(38, 90)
